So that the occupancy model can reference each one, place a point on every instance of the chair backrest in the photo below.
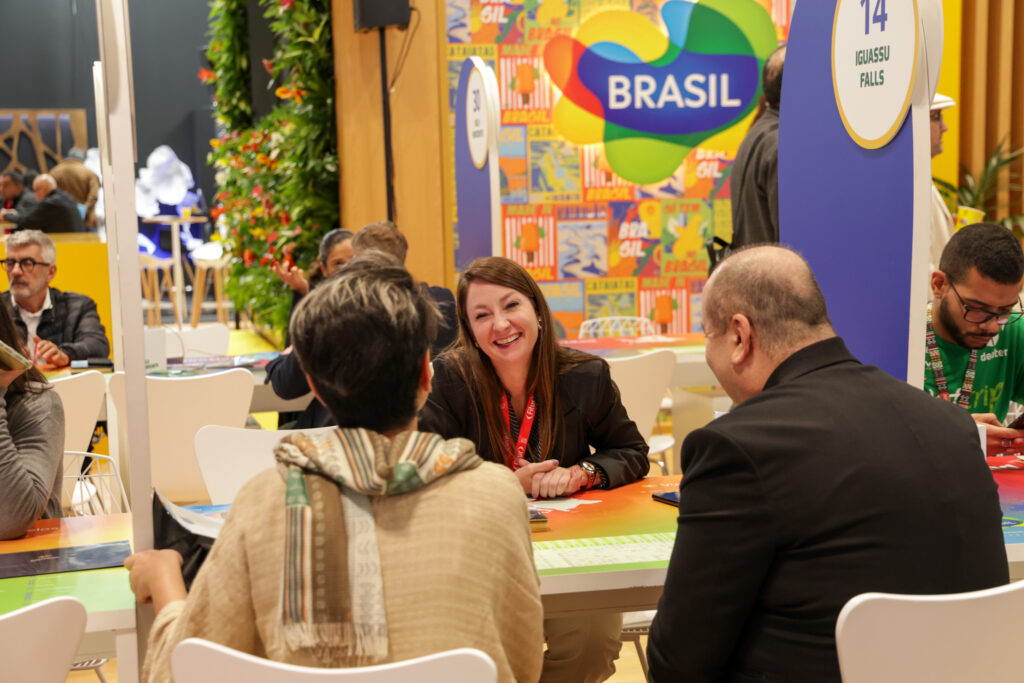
(616, 326)
(208, 340)
(230, 456)
(96, 491)
(642, 382)
(200, 661)
(936, 638)
(38, 643)
(82, 396)
(178, 407)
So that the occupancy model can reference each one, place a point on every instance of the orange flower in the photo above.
(214, 142)
(207, 76)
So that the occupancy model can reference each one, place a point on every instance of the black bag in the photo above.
(169, 534)
(718, 249)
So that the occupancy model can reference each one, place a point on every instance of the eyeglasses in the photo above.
(27, 264)
(979, 316)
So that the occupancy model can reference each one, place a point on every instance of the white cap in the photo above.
(942, 102)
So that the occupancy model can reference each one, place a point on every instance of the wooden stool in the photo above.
(218, 267)
(152, 288)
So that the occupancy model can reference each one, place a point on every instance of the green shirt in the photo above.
(999, 373)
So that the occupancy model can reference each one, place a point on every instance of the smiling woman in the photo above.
(539, 408)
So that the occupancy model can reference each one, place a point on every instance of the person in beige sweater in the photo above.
(444, 557)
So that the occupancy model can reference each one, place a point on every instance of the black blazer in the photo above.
(58, 212)
(592, 415)
(73, 324)
(835, 480)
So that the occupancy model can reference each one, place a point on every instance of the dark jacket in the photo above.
(72, 324)
(835, 480)
(24, 202)
(754, 183)
(58, 212)
(286, 378)
(592, 414)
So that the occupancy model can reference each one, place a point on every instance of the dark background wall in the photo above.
(49, 47)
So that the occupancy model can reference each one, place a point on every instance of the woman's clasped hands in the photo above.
(545, 479)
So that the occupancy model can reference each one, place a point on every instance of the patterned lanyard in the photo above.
(935, 361)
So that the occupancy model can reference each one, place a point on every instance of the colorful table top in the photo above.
(597, 531)
(102, 591)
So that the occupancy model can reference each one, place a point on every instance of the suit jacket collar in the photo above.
(810, 358)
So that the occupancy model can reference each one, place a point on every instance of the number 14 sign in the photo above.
(874, 61)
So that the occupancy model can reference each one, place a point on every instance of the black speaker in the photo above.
(370, 14)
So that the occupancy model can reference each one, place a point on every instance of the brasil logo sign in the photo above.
(651, 97)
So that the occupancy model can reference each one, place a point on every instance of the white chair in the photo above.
(38, 642)
(230, 456)
(82, 396)
(208, 340)
(643, 381)
(616, 326)
(199, 661)
(973, 636)
(96, 491)
(178, 407)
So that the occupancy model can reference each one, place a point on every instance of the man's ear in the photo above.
(52, 268)
(426, 373)
(742, 339)
(939, 281)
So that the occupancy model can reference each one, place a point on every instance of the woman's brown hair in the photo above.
(549, 359)
(32, 380)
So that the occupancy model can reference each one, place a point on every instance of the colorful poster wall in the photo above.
(620, 120)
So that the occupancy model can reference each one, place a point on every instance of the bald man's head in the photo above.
(43, 185)
(775, 289)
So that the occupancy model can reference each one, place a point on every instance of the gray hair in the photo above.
(23, 238)
(361, 336)
(774, 288)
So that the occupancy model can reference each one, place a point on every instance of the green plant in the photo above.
(278, 179)
(980, 192)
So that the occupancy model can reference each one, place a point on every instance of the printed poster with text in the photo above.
(619, 124)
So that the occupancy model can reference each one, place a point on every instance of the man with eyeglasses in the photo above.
(58, 327)
(974, 343)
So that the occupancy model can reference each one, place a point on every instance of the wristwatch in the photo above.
(595, 477)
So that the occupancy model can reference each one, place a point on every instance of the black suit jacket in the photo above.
(73, 324)
(58, 212)
(592, 415)
(835, 480)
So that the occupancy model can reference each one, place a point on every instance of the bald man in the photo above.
(57, 211)
(827, 479)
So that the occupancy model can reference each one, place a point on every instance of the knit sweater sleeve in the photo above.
(31, 452)
(219, 605)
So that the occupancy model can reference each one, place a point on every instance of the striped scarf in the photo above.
(333, 593)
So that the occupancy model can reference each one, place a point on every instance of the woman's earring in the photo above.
(539, 326)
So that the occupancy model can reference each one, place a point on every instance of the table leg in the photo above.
(179, 276)
(127, 657)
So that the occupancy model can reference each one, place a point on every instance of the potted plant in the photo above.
(980, 192)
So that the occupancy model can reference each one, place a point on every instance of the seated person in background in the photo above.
(31, 443)
(57, 327)
(57, 211)
(539, 408)
(386, 237)
(974, 345)
(826, 480)
(78, 181)
(445, 558)
(283, 373)
(15, 195)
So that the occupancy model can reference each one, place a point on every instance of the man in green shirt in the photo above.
(975, 344)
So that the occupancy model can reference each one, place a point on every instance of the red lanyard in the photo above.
(512, 459)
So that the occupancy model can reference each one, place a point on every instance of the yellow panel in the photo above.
(82, 268)
(946, 166)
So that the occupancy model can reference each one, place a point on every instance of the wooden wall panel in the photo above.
(992, 103)
(418, 107)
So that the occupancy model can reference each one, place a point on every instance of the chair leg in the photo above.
(169, 282)
(198, 294)
(643, 658)
(218, 294)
